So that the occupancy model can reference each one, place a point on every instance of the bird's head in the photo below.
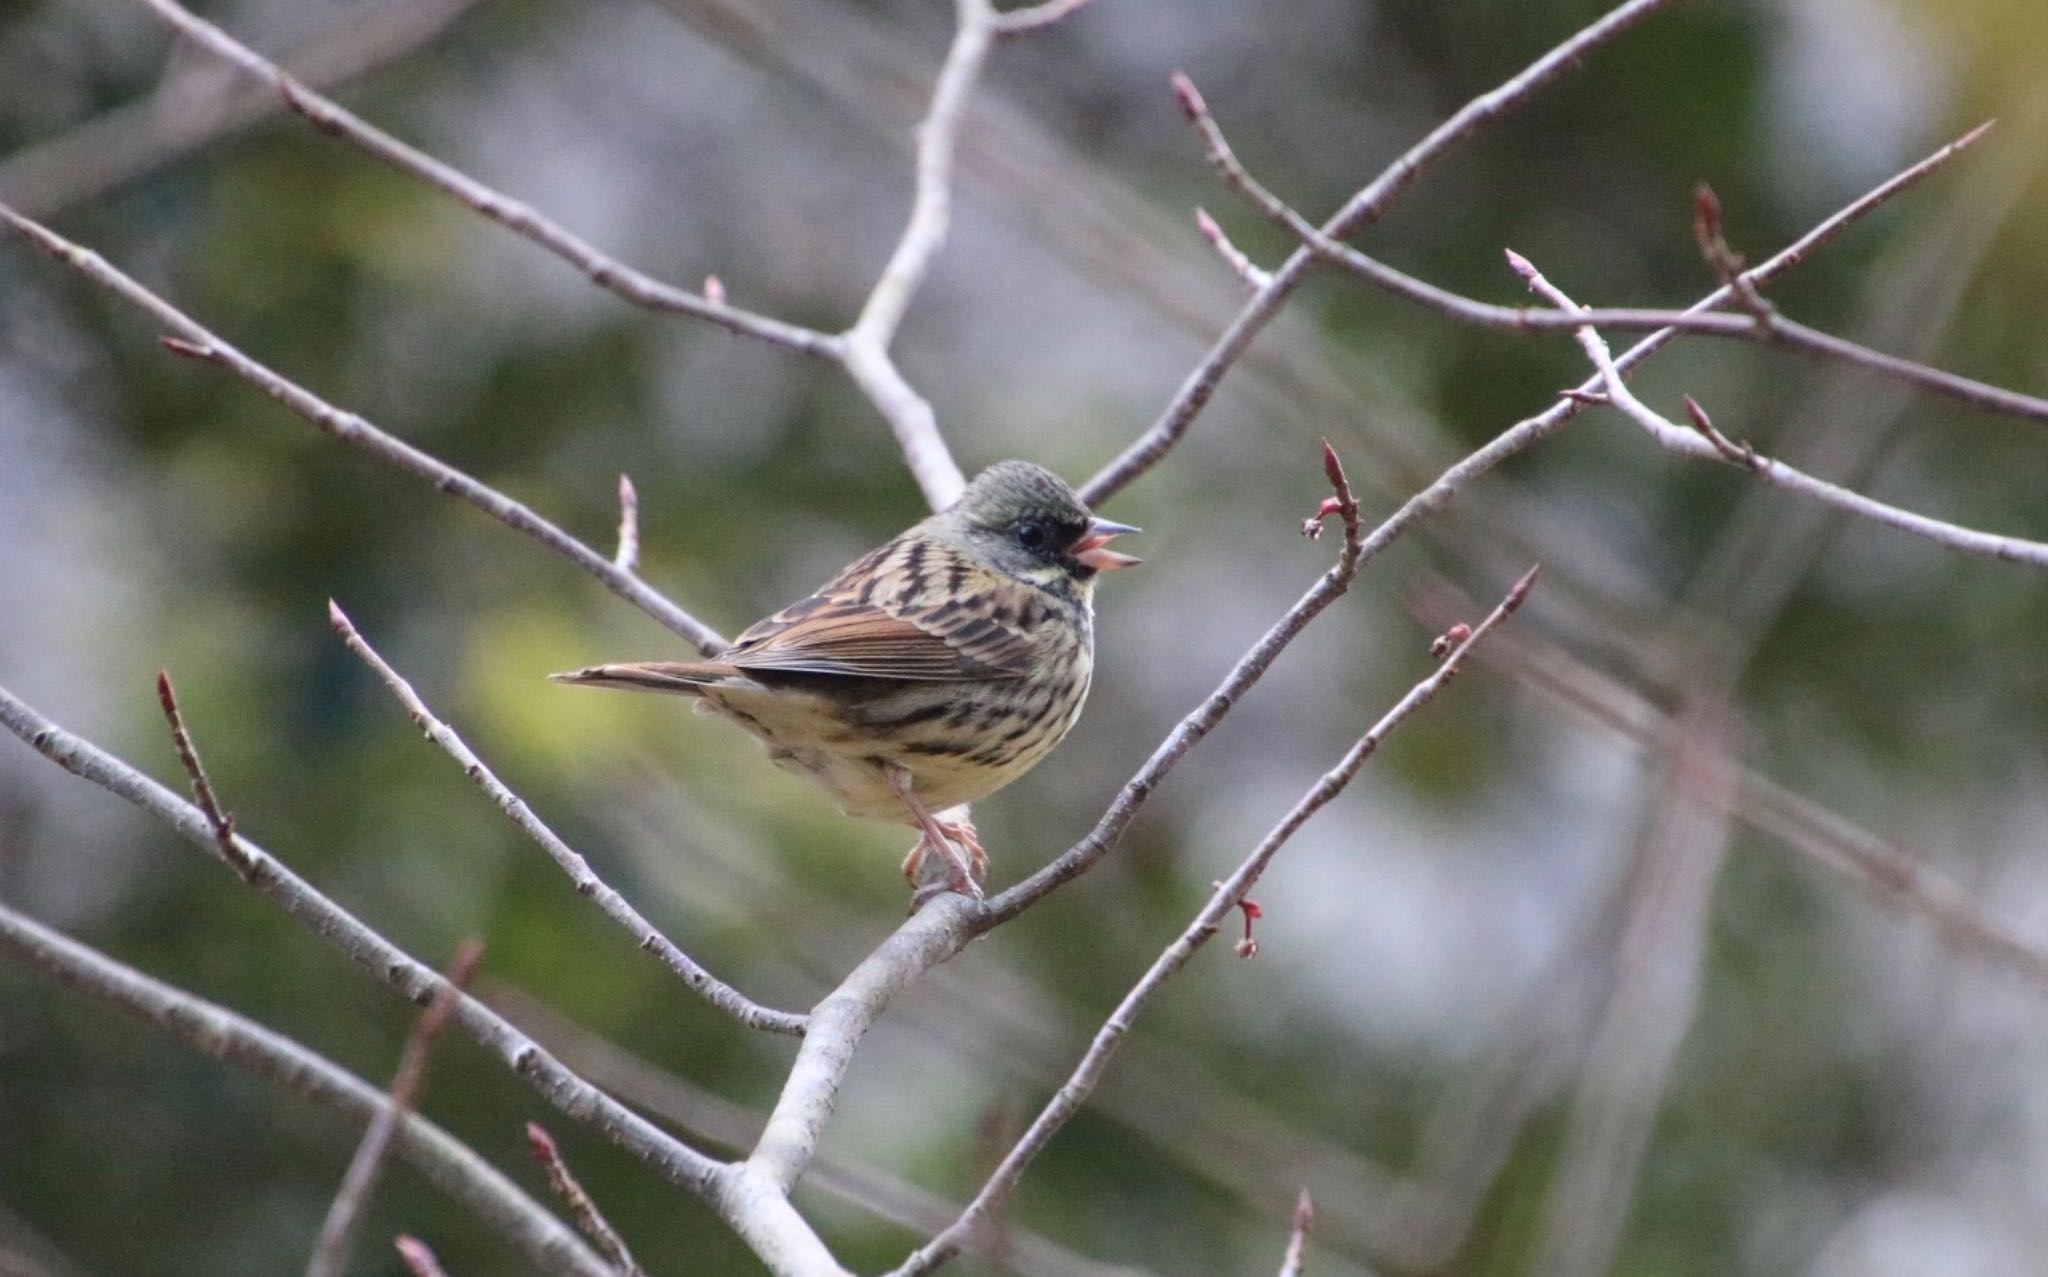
(1025, 521)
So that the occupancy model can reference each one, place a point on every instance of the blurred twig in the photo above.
(337, 1235)
(1659, 958)
(214, 1031)
(1297, 1236)
(418, 1257)
(182, 116)
(608, 272)
(616, 907)
(1894, 876)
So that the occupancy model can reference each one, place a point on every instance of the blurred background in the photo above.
(1529, 998)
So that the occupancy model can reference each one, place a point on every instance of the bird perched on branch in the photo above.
(931, 671)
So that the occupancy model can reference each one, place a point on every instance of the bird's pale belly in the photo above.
(959, 741)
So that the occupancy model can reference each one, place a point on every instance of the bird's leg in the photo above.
(958, 822)
(935, 838)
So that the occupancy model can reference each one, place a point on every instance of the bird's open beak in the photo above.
(1093, 550)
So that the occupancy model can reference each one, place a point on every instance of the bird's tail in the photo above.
(680, 678)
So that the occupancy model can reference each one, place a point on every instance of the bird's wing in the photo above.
(914, 609)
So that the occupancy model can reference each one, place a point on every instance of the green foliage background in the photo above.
(1851, 1094)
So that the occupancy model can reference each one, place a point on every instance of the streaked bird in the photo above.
(931, 671)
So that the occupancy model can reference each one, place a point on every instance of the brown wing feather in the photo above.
(914, 609)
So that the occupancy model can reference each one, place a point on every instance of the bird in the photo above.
(930, 672)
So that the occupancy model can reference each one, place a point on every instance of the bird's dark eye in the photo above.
(1033, 535)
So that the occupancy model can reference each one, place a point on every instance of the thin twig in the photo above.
(1075, 1090)
(1297, 1236)
(1702, 441)
(221, 821)
(214, 1031)
(1082, 856)
(627, 559)
(337, 1233)
(582, 1209)
(1254, 275)
(413, 980)
(604, 270)
(615, 906)
(418, 1257)
(1360, 211)
(1761, 324)
(194, 341)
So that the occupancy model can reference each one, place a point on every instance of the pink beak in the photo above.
(1093, 550)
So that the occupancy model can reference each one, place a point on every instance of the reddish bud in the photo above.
(1312, 527)
(1448, 641)
(541, 1144)
(1248, 947)
(1520, 265)
(1706, 214)
(1189, 97)
(714, 290)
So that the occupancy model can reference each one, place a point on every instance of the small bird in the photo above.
(931, 671)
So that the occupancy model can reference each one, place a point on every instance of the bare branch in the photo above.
(615, 906)
(866, 344)
(605, 271)
(220, 821)
(195, 342)
(1761, 324)
(418, 1257)
(221, 1034)
(838, 1023)
(1703, 442)
(1082, 856)
(413, 980)
(627, 559)
(1359, 212)
(1075, 1090)
(712, 1119)
(337, 1234)
(931, 211)
(581, 1208)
